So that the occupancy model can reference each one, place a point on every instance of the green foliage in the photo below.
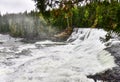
(96, 14)
(64, 11)
(58, 19)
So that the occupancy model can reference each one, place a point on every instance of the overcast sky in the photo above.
(15, 6)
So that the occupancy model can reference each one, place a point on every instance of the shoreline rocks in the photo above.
(111, 75)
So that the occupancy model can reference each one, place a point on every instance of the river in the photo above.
(46, 61)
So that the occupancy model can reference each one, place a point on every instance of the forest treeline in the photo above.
(82, 13)
(26, 25)
(68, 13)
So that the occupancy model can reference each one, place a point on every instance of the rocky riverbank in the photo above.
(111, 75)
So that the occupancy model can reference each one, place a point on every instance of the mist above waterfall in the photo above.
(26, 25)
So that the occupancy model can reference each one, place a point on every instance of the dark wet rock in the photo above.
(1, 42)
(8, 63)
(52, 38)
(14, 48)
(39, 46)
(108, 76)
(6, 55)
(25, 52)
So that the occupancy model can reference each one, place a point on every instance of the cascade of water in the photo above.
(47, 61)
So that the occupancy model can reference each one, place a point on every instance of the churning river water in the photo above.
(47, 61)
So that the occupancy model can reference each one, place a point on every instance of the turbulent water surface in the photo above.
(46, 61)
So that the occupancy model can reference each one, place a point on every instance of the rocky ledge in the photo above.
(111, 75)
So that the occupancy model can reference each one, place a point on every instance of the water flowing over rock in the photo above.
(114, 74)
(46, 61)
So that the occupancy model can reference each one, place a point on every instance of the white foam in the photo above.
(83, 55)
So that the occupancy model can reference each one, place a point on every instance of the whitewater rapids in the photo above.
(46, 61)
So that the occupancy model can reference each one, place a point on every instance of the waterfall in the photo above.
(46, 61)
